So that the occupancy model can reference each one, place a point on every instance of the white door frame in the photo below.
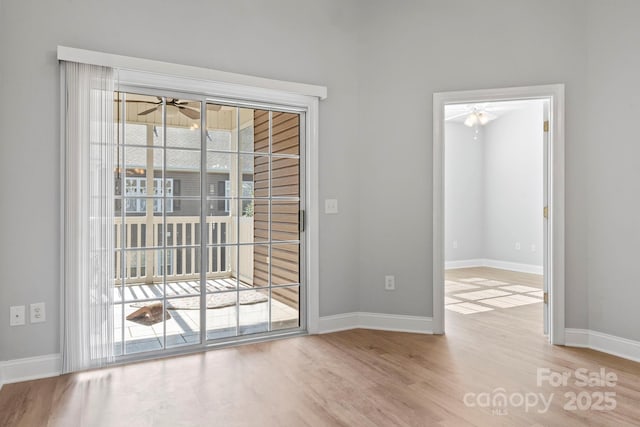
(555, 221)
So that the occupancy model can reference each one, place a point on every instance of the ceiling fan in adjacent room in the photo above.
(472, 115)
(476, 115)
(479, 118)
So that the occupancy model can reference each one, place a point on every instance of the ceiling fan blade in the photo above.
(455, 116)
(189, 112)
(490, 115)
(137, 101)
(188, 107)
(149, 111)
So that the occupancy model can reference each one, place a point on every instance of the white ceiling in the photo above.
(459, 112)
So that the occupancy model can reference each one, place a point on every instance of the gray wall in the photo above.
(281, 39)
(514, 186)
(613, 161)
(413, 48)
(382, 61)
(464, 192)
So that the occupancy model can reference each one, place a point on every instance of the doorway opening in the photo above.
(498, 198)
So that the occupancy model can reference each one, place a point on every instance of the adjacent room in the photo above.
(494, 210)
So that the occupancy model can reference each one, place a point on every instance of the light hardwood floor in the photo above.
(466, 291)
(351, 378)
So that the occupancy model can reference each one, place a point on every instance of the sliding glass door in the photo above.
(208, 199)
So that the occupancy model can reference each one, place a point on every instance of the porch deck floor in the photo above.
(174, 289)
(183, 328)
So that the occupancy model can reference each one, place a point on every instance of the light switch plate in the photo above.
(331, 206)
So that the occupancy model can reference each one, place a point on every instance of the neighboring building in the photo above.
(182, 180)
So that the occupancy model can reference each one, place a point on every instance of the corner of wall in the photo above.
(376, 321)
(606, 343)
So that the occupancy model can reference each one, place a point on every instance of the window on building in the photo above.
(136, 187)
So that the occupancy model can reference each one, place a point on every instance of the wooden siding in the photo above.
(285, 181)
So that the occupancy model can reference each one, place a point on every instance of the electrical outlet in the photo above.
(37, 312)
(517, 246)
(17, 316)
(455, 244)
(389, 283)
(533, 248)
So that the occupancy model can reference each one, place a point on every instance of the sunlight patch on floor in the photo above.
(468, 308)
(487, 295)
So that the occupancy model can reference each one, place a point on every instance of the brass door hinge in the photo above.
(546, 126)
(545, 297)
(545, 212)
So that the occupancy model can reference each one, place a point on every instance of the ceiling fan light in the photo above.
(482, 118)
(471, 120)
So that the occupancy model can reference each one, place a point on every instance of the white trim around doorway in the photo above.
(555, 93)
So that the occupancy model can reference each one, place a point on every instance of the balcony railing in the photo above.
(148, 263)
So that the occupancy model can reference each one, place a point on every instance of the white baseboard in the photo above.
(494, 263)
(610, 344)
(30, 368)
(514, 266)
(576, 337)
(379, 321)
(464, 263)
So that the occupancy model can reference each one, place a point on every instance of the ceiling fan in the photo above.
(182, 106)
(479, 118)
(473, 115)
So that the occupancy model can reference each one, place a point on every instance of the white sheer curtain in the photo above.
(88, 165)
